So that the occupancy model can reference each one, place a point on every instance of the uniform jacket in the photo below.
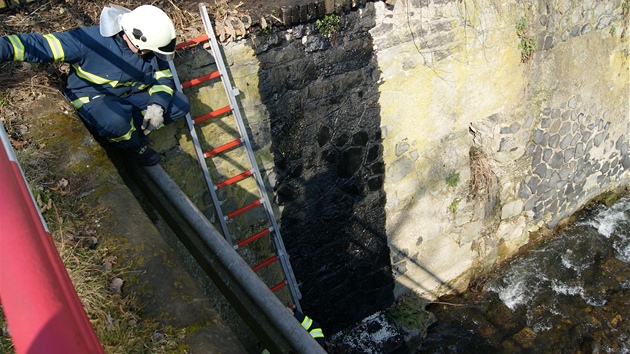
(99, 65)
(311, 326)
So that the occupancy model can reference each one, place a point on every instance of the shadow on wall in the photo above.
(322, 97)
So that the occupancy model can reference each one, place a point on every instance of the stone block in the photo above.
(564, 143)
(524, 191)
(554, 140)
(529, 205)
(511, 209)
(286, 16)
(556, 160)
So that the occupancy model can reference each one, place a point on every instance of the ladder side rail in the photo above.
(201, 159)
(288, 271)
(230, 92)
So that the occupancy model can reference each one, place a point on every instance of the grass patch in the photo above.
(452, 179)
(483, 181)
(90, 260)
(409, 312)
(329, 26)
(527, 44)
(453, 206)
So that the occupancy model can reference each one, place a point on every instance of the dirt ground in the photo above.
(58, 15)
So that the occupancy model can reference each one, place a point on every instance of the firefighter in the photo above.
(119, 80)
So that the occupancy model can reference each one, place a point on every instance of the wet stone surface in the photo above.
(568, 296)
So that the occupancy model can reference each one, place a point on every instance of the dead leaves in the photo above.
(231, 27)
(47, 204)
(60, 187)
(43, 206)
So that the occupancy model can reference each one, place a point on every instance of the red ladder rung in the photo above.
(220, 149)
(239, 177)
(212, 114)
(253, 238)
(193, 41)
(263, 264)
(201, 79)
(240, 211)
(278, 286)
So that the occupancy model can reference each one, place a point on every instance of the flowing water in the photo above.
(570, 295)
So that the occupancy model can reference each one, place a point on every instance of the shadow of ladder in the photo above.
(241, 142)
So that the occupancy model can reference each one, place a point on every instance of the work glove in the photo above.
(153, 118)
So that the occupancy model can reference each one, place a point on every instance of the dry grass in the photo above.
(74, 225)
(483, 181)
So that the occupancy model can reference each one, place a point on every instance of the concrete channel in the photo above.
(260, 309)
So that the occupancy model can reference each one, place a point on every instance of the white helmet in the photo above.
(149, 28)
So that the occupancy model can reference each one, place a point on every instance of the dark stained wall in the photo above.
(322, 96)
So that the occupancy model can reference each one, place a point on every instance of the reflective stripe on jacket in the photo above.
(99, 65)
(315, 331)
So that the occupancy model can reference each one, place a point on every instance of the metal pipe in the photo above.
(274, 311)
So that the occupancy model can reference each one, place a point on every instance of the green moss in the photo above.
(453, 206)
(608, 198)
(409, 313)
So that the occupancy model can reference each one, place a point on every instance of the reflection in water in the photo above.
(571, 295)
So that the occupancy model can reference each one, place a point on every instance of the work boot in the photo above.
(144, 156)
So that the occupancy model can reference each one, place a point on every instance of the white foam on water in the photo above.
(569, 263)
(385, 332)
(576, 290)
(565, 289)
(542, 326)
(614, 221)
(607, 220)
(516, 292)
(368, 341)
(594, 302)
(623, 249)
(554, 311)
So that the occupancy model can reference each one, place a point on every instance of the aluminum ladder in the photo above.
(241, 142)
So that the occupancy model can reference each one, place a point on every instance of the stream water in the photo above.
(570, 295)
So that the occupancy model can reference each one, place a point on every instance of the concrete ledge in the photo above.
(156, 274)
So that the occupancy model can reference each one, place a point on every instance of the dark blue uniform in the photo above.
(311, 326)
(109, 84)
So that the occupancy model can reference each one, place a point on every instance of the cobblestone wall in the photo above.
(572, 152)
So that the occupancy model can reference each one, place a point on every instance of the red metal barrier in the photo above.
(42, 309)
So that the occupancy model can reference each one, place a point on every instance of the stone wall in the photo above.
(311, 104)
(323, 100)
(422, 144)
(531, 139)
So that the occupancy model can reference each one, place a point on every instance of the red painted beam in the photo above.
(42, 309)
